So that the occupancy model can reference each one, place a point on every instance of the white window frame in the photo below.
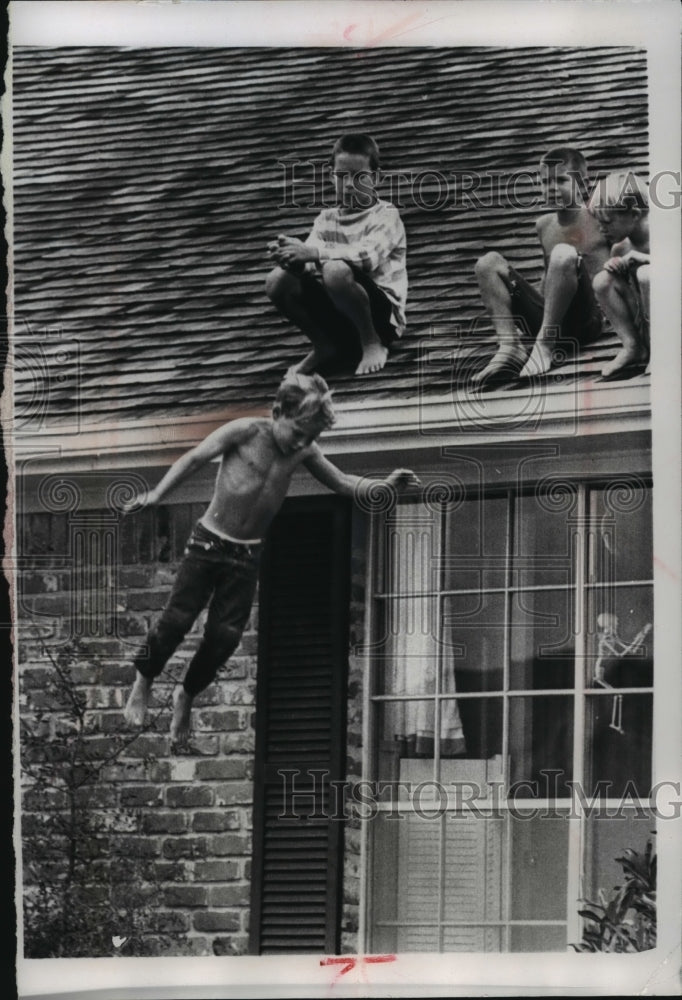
(579, 693)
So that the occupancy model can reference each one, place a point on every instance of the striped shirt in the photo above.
(372, 239)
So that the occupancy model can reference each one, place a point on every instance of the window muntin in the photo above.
(496, 629)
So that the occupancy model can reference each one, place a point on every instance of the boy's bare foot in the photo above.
(373, 359)
(539, 362)
(135, 710)
(632, 356)
(506, 363)
(182, 704)
(312, 361)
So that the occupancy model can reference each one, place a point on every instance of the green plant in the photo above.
(626, 921)
(86, 893)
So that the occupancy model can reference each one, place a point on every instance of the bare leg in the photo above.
(180, 724)
(644, 283)
(561, 284)
(284, 291)
(617, 299)
(491, 271)
(135, 710)
(352, 300)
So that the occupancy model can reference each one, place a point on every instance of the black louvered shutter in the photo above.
(300, 728)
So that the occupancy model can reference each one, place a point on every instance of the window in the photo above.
(511, 667)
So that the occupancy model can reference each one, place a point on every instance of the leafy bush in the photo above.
(86, 893)
(626, 921)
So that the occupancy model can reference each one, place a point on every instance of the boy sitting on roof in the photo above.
(258, 457)
(345, 287)
(574, 250)
(620, 204)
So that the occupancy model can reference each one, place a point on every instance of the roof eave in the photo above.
(369, 426)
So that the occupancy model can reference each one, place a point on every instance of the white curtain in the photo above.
(414, 644)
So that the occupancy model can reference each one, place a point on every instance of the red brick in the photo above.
(169, 923)
(216, 822)
(189, 796)
(59, 605)
(235, 944)
(136, 576)
(216, 920)
(229, 895)
(147, 600)
(216, 871)
(147, 745)
(186, 895)
(31, 678)
(138, 847)
(234, 793)
(130, 625)
(117, 674)
(231, 843)
(236, 669)
(205, 746)
(222, 768)
(243, 741)
(173, 871)
(249, 644)
(160, 821)
(185, 847)
(220, 720)
(97, 796)
(121, 772)
(102, 697)
(160, 771)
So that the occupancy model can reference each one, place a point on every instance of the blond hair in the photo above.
(307, 398)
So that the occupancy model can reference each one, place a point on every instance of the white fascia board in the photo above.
(368, 426)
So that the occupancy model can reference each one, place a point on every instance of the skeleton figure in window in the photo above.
(610, 646)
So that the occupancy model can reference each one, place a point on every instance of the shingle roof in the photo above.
(147, 183)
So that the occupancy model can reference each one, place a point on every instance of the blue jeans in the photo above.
(216, 571)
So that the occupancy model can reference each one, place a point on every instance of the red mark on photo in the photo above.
(349, 962)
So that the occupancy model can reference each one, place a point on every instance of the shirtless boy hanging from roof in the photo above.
(258, 458)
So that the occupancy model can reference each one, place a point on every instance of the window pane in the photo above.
(544, 534)
(606, 839)
(478, 528)
(406, 883)
(542, 640)
(620, 637)
(541, 740)
(619, 734)
(407, 674)
(474, 882)
(538, 939)
(470, 735)
(473, 627)
(481, 726)
(473, 938)
(408, 556)
(407, 646)
(539, 863)
(406, 731)
(475, 551)
(621, 544)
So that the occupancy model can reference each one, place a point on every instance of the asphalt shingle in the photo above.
(147, 183)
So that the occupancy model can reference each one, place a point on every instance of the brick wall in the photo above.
(352, 834)
(194, 809)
